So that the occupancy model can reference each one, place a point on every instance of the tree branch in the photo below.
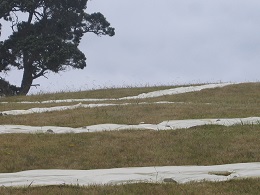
(30, 17)
(35, 85)
(41, 73)
(14, 23)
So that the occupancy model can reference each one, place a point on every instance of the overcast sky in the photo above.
(162, 42)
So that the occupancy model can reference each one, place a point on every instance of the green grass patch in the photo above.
(206, 145)
(132, 114)
(241, 187)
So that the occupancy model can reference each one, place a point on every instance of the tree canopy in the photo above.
(48, 38)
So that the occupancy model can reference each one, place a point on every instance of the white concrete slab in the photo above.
(178, 90)
(158, 174)
(40, 110)
(61, 108)
(51, 109)
(165, 125)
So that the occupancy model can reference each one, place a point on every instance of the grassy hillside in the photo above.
(231, 101)
(206, 145)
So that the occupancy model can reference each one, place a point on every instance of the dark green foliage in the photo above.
(48, 39)
(7, 89)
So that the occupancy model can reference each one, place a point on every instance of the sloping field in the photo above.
(212, 128)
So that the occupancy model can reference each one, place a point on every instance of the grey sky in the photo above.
(167, 42)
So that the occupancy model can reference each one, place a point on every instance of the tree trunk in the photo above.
(27, 79)
(26, 83)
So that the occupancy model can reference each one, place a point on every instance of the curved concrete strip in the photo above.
(80, 105)
(40, 110)
(51, 109)
(165, 125)
(173, 91)
(177, 174)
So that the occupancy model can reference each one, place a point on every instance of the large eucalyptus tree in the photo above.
(48, 38)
